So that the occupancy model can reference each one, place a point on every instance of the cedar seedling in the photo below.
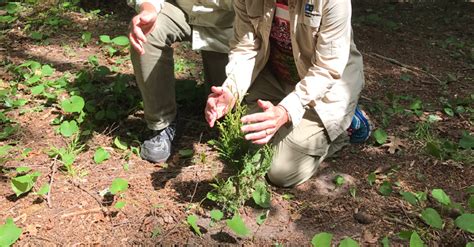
(250, 163)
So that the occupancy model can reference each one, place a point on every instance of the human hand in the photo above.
(261, 127)
(219, 102)
(141, 25)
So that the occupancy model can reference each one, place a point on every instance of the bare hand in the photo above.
(219, 102)
(141, 25)
(261, 127)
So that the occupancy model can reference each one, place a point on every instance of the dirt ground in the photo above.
(411, 52)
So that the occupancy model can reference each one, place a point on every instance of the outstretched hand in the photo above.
(141, 25)
(219, 102)
(261, 127)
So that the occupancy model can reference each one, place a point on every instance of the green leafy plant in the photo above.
(262, 217)
(186, 153)
(237, 225)
(119, 144)
(339, 181)
(118, 187)
(216, 215)
(348, 242)
(9, 233)
(441, 196)
(322, 239)
(101, 155)
(67, 155)
(371, 178)
(43, 190)
(75, 104)
(465, 222)
(114, 45)
(409, 197)
(432, 218)
(386, 188)
(415, 240)
(385, 242)
(86, 38)
(68, 128)
(22, 184)
(260, 195)
(380, 136)
(192, 222)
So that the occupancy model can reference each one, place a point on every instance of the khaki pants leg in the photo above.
(298, 151)
(154, 70)
(214, 67)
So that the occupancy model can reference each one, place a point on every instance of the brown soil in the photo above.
(160, 197)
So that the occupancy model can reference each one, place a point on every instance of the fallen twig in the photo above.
(398, 221)
(104, 210)
(171, 231)
(195, 189)
(44, 239)
(406, 66)
(401, 222)
(51, 181)
(89, 211)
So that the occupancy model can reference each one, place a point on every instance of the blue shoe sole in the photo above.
(363, 132)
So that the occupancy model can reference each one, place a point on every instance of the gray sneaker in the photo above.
(157, 149)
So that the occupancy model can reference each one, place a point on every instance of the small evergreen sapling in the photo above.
(250, 162)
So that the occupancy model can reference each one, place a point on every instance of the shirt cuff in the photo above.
(292, 104)
(158, 4)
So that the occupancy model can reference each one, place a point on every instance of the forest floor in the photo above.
(419, 70)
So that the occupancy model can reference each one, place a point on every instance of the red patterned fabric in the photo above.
(281, 61)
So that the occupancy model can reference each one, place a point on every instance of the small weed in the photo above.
(67, 155)
(101, 155)
(22, 184)
(118, 187)
(9, 233)
(324, 239)
(375, 19)
(117, 44)
(192, 222)
(423, 131)
(25, 180)
(339, 181)
(237, 225)
(182, 65)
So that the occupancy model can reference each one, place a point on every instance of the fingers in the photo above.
(256, 117)
(264, 104)
(258, 126)
(261, 137)
(211, 118)
(138, 32)
(210, 112)
(262, 116)
(136, 44)
(217, 90)
(263, 140)
(141, 25)
(136, 35)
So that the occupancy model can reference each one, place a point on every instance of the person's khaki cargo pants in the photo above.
(297, 151)
(154, 70)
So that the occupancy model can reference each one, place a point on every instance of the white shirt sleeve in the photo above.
(158, 4)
